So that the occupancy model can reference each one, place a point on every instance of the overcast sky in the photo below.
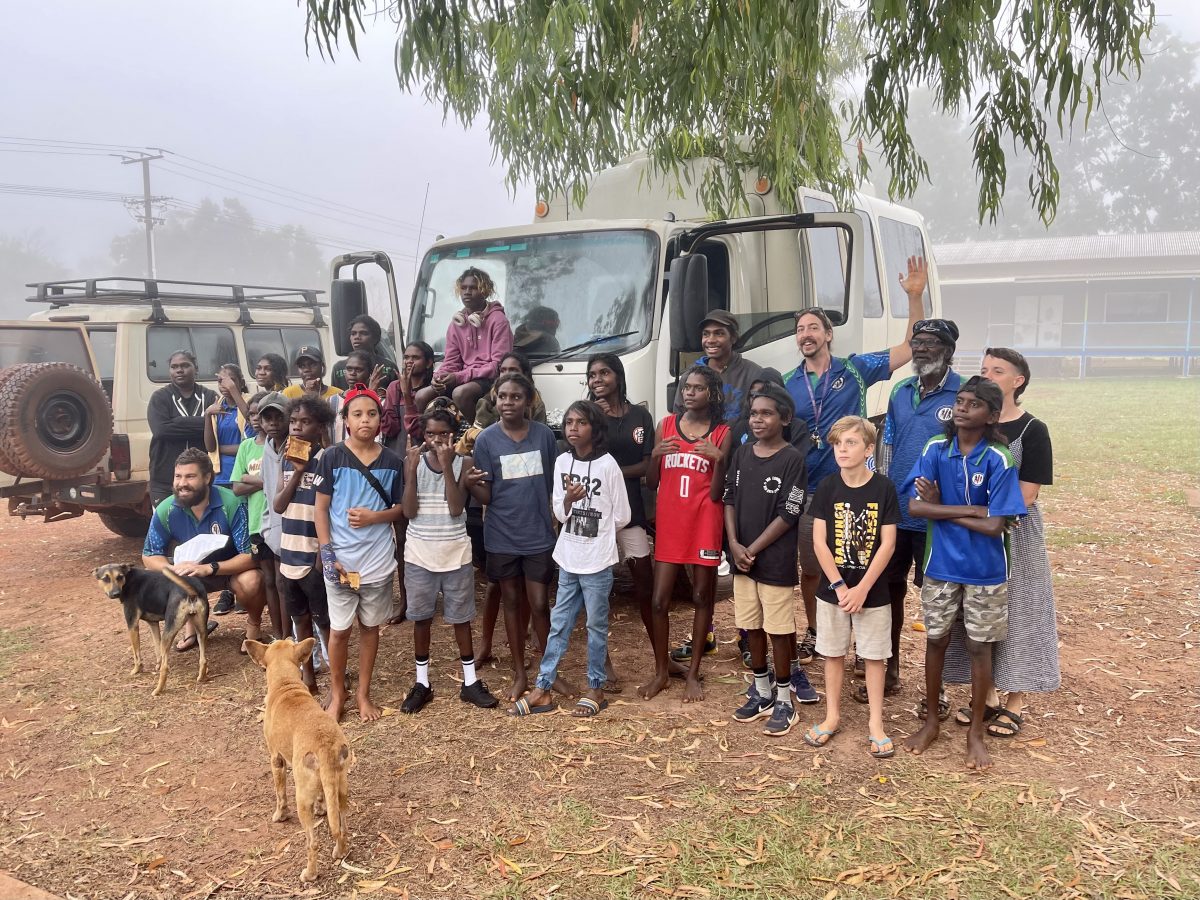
(227, 83)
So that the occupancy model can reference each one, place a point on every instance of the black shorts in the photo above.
(306, 597)
(475, 533)
(537, 567)
(261, 550)
(910, 552)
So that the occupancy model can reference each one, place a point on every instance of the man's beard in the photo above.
(195, 499)
(939, 363)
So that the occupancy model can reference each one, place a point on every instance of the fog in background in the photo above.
(279, 160)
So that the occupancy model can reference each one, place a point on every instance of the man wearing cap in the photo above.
(718, 334)
(310, 363)
(826, 388)
(919, 408)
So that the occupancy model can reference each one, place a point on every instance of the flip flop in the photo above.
(877, 748)
(612, 687)
(1005, 723)
(191, 643)
(587, 707)
(817, 737)
(522, 708)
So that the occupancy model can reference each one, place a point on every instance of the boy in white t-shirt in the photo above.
(591, 502)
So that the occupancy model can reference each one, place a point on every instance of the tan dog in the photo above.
(301, 735)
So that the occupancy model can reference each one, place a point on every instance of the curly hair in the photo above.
(366, 357)
(315, 406)
(522, 361)
(716, 389)
(594, 416)
(195, 456)
(279, 370)
(372, 326)
(487, 287)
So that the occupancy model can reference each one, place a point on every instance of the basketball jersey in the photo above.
(689, 523)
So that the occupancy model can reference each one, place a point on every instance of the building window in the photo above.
(1137, 306)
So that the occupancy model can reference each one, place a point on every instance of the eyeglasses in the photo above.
(925, 343)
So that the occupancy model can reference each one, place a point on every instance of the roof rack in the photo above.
(121, 291)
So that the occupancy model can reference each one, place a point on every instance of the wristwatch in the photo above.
(215, 567)
(841, 582)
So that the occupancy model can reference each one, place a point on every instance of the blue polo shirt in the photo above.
(911, 421)
(841, 391)
(225, 514)
(987, 477)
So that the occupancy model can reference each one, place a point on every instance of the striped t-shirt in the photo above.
(298, 543)
(436, 540)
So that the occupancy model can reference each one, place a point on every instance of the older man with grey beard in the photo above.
(919, 408)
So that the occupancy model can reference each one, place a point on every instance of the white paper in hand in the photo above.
(200, 547)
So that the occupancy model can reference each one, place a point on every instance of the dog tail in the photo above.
(335, 762)
(197, 601)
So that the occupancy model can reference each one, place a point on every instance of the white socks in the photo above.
(468, 664)
(423, 671)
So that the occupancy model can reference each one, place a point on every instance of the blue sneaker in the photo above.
(783, 719)
(801, 688)
(755, 708)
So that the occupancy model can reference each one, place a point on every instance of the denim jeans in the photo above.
(576, 592)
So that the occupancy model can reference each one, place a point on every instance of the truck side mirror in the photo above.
(347, 299)
(689, 301)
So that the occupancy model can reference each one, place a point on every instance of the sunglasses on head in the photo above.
(814, 311)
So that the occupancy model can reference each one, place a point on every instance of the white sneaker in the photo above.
(723, 567)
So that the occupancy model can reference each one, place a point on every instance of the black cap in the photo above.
(308, 352)
(722, 317)
(987, 391)
(942, 329)
(783, 400)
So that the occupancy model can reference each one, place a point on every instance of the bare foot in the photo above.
(336, 705)
(484, 657)
(693, 691)
(978, 757)
(919, 742)
(651, 688)
(367, 711)
(519, 686)
(564, 687)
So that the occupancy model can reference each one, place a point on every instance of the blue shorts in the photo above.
(457, 588)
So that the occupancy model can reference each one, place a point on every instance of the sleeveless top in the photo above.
(690, 523)
(436, 540)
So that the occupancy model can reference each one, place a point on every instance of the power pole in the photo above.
(147, 208)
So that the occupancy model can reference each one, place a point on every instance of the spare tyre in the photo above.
(55, 421)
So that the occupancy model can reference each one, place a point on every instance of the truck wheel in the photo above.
(55, 421)
(130, 526)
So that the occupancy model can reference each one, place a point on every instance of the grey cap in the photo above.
(722, 317)
(273, 400)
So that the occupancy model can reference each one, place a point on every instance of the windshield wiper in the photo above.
(568, 351)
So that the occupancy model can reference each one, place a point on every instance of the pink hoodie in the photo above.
(473, 353)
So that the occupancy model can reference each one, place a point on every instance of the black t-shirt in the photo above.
(1037, 456)
(630, 440)
(760, 490)
(854, 518)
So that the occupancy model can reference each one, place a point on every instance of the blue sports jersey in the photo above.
(911, 421)
(371, 550)
(841, 391)
(987, 477)
(225, 514)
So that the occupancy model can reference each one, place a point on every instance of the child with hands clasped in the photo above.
(855, 513)
(687, 466)
(360, 489)
(965, 483)
(764, 499)
(437, 553)
(590, 501)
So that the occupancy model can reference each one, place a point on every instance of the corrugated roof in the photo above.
(1064, 249)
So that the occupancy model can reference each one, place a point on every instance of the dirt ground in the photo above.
(109, 792)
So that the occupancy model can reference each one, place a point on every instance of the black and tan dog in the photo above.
(157, 597)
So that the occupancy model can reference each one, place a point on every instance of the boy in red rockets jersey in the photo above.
(688, 468)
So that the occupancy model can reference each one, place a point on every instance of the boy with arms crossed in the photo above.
(855, 513)
(764, 498)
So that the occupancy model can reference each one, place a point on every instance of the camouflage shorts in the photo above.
(983, 608)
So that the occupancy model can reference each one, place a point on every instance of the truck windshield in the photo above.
(558, 290)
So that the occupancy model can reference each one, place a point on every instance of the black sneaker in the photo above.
(683, 653)
(416, 699)
(478, 694)
(744, 649)
(755, 708)
(225, 604)
(806, 647)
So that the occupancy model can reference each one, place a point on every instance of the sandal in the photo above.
(587, 707)
(190, 642)
(859, 694)
(1005, 723)
(963, 716)
(884, 749)
(943, 709)
(522, 708)
(818, 737)
(612, 687)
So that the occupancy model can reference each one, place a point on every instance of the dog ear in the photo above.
(96, 572)
(256, 651)
(304, 650)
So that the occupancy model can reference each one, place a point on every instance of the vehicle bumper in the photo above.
(54, 500)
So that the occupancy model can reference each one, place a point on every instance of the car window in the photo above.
(104, 348)
(38, 345)
(213, 346)
(872, 296)
(828, 262)
(900, 241)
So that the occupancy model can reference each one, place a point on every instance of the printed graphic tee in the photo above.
(587, 542)
(517, 521)
(854, 518)
(760, 490)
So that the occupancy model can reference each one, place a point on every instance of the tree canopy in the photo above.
(793, 91)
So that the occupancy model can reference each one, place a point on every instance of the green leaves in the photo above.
(790, 89)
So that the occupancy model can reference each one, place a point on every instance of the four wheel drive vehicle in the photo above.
(75, 381)
(635, 269)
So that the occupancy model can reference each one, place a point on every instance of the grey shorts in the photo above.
(984, 609)
(456, 587)
(371, 604)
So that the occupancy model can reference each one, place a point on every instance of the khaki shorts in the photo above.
(872, 628)
(984, 609)
(809, 564)
(763, 606)
(371, 604)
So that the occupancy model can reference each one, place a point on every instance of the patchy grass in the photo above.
(13, 642)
